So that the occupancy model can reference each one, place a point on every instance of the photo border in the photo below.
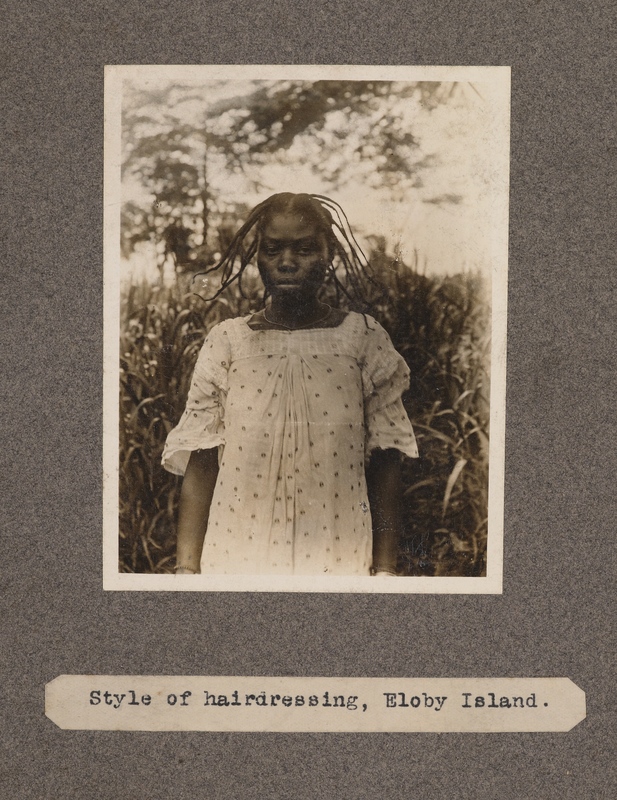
(495, 82)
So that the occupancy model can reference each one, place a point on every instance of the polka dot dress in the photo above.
(295, 416)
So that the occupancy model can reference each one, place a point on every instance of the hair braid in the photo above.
(356, 284)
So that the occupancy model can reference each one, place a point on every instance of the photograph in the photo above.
(305, 319)
(309, 376)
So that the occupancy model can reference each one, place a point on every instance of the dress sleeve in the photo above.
(202, 425)
(385, 376)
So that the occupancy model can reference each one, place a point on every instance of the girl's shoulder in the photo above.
(365, 338)
(219, 339)
(366, 319)
(372, 340)
(229, 338)
(363, 325)
(227, 327)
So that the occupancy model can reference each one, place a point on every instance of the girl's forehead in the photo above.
(290, 225)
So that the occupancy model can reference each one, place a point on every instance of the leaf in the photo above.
(419, 485)
(459, 545)
(458, 468)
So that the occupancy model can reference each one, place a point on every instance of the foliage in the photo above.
(347, 122)
(441, 329)
(439, 326)
(181, 150)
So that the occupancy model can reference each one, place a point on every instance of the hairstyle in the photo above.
(348, 271)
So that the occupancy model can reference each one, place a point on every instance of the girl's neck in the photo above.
(283, 311)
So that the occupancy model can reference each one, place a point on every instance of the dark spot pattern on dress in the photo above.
(343, 401)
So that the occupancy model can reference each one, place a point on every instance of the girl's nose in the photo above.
(287, 262)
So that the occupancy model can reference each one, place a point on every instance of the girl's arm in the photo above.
(195, 499)
(383, 478)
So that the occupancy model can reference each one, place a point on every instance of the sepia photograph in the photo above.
(309, 376)
(305, 317)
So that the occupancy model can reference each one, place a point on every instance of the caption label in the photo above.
(208, 703)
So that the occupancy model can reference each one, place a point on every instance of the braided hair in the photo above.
(348, 273)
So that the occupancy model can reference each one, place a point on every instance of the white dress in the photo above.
(295, 415)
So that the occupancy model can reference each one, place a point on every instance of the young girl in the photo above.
(291, 438)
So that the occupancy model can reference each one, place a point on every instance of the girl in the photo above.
(291, 438)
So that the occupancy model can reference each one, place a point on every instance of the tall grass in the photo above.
(161, 335)
(440, 326)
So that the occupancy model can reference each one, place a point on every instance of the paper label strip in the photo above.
(211, 703)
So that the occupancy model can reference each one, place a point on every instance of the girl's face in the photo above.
(292, 256)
